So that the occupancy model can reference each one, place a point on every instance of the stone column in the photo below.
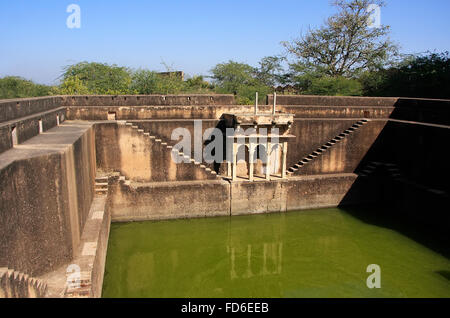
(283, 164)
(251, 153)
(234, 160)
(229, 173)
(268, 149)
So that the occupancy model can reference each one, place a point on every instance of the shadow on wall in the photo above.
(404, 181)
(435, 111)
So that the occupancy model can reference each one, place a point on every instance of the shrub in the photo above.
(17, 87)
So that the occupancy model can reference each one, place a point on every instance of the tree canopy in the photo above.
(17, 87)
(240, 79)
(100, 78)
(345, 45)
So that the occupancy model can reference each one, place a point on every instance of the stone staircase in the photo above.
(101, 185)
(81, 288)
(14, 284)
(208, 172)
(393, 171)
(391, 168)
(324, 148)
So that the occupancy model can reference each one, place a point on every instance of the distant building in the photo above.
(177, 74)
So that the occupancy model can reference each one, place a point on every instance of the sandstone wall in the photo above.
(169, 200)
(23, 116)
(46, 191)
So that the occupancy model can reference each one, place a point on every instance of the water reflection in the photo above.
(270, 263)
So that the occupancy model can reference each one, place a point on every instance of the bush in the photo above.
(72, 86)
(17, 87)
(332, 86)
(426, 76)
(241, 80)
(98, 78)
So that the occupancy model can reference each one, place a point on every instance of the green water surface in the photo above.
(320, 253)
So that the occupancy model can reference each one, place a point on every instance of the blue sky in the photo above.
(188, 35)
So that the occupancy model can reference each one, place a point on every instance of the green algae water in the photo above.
(320, 253)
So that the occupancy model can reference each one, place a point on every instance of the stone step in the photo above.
(19, 285)
(78, 292)
(98, 188)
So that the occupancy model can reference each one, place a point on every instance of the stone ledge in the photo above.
(92, 252)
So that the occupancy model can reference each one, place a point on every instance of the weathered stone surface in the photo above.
(332, 100)
(147, 100)
(46, 191)
(11, 109)
(169, 200)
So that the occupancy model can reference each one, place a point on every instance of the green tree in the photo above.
(229, 77)
(198, 84)
(99, 78)
(17, 87)
(334, 86)
(344, 45)
(241, 80)
(72, 86)
(426, 75)
(270, 71)
(144, 81)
